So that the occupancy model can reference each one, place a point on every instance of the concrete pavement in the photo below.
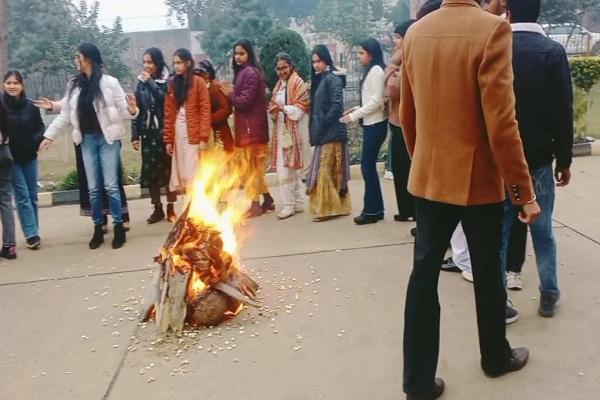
(333, 330)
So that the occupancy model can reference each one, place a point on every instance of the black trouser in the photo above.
(155, 196)
(515, 257)
(435, 224)
(401, 170)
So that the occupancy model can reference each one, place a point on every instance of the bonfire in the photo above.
(199, 280)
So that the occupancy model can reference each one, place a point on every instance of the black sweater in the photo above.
(24, 127)
(544, 98)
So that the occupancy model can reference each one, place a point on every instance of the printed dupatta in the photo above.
(297, 95)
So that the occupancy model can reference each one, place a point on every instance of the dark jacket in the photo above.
(221, 110)
(544, 99)
(250, 102)
(326, 110)
(24, 128)
(150, 97)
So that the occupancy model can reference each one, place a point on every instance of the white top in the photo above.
(372, 110)
(111, 113)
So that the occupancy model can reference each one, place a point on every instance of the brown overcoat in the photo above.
(457, 108)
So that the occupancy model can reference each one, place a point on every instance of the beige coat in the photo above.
(458, 108)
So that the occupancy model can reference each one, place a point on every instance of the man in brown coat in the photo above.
(458, 115)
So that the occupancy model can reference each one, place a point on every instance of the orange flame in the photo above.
(215, 200)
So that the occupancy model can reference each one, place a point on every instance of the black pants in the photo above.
(483, 229)
(515, 257)
(155, 196)
(401, 170)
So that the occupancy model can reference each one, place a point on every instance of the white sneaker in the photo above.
(286, 213)
(467, 276)
(514, 281)
(388, 175)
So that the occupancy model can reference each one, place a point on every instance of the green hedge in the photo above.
(585, 72)
(288, 41)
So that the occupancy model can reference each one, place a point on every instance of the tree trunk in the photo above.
(3, 37)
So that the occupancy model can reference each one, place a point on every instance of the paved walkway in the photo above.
(336, 291)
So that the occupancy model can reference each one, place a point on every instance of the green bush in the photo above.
(585, 72)
(70, 181)
(288, 41)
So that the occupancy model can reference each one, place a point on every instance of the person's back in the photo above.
(459, 72)
(543, 96)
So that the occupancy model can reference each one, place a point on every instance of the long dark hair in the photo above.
(182, 83)
(324, 55)
(156, 55)
(3, 136)
(19, 77)
(92, 84)
(372, 47)
(252, 60)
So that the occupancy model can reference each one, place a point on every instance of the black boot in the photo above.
(254, 211)
(98, 237)
(268, 204)
(171, 212)
(119, 239)
(157, 216)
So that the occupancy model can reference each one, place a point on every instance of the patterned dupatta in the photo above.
(297, 95)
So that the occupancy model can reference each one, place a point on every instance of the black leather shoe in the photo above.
(401, 218)
(363, 219)
(518, 360)
(436, 392)
(157, 216)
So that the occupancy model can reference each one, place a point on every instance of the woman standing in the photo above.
(327, 180)
(289, 106)
(9, 244)
(85, 207)
(95, 107)
(251, 126)
(220, 108)
(25, 130)
(187, 121)
(148, 129)
(372, 117)
(400, 157)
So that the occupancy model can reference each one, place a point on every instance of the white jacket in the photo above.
(372, 110)
(111, 113)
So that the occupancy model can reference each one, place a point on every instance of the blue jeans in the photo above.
(373, 138)
(542, 235)
(24, 183)
(6, 210)
(101, 161)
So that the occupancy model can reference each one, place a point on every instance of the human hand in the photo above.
(169, 148)
(44, 145)
(530, 213)
(43, 103)
(562, 176)
(131, 103)
(136, 145)
(346, 119)
(145, 76)
(226, 88)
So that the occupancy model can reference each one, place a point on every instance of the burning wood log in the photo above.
(197, 282)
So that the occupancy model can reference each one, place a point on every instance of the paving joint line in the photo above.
(131, 271)
(591, 239)
(117, 373)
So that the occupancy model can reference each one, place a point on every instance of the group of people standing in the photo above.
(486, 107)
(177, 115)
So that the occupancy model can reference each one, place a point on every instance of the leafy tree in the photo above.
(400, 12)
(288, 41)
(229, 20)
(563, 11)
(348, 20)
(43, 36)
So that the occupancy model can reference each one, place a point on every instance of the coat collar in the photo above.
(528, 27)
(453, 3)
